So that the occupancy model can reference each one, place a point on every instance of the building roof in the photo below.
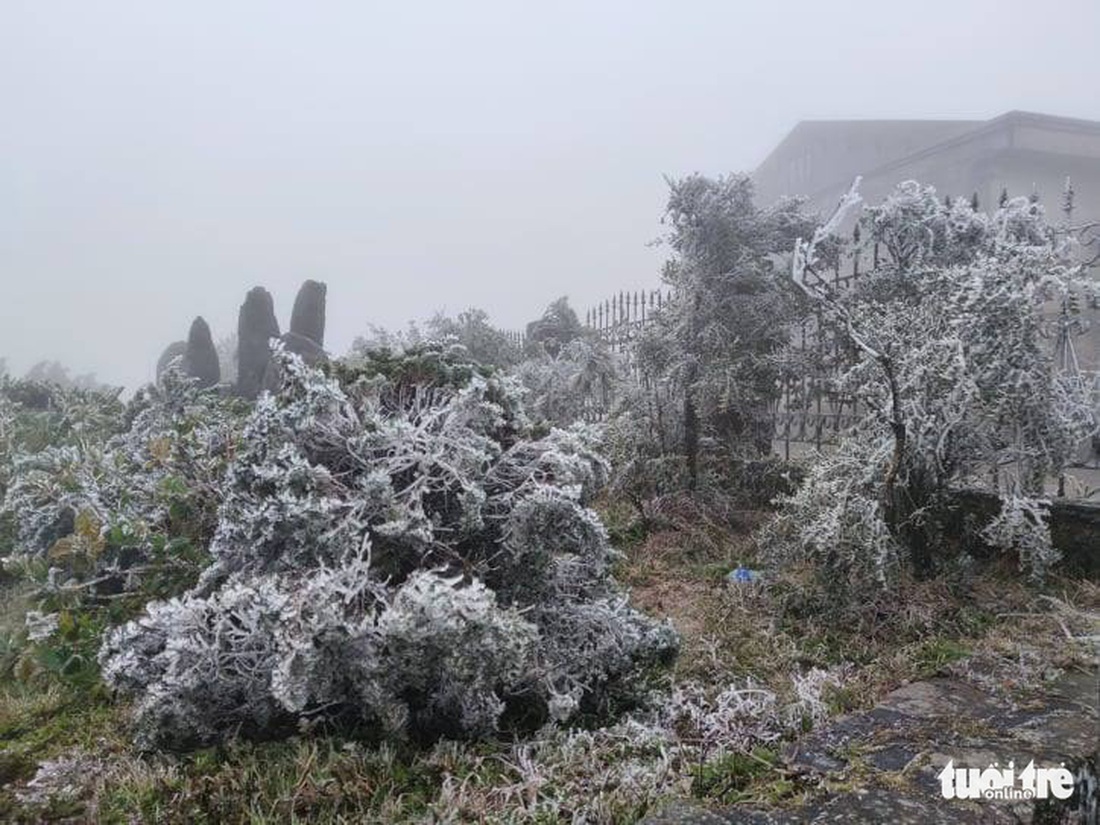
(818, 158)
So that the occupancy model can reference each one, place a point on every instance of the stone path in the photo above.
(881, 766)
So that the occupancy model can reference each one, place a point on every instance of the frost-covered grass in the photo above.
(700, 740)
(44, 721)
(771, 630)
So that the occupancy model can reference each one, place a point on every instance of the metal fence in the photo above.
(809, 413)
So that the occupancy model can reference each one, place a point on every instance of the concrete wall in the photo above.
(1019, 151)
(817, 154)
(1074, 529)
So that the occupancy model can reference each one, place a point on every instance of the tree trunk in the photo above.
(691, 432)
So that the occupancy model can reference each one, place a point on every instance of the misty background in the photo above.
(159, 159)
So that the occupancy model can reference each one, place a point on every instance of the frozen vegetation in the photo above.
(401, 567)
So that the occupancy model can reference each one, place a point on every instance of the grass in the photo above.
(999, 630)
(729, 778)
(313, 780)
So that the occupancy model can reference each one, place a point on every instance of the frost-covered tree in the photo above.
(380, 338)
(393, 550)
(947, 357)
(54, 372)
(714, 344)
(485, 344)
(582, 379)
(554, 330)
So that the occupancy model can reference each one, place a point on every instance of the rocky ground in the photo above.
(881, 765)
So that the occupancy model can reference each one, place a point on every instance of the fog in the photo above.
(157, 160)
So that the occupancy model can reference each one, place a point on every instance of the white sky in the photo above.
(158, 159)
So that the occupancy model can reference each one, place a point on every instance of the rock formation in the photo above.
(200, 360)
(308, 317)
(309, 350)
(177, 349)
(256, 326)
(307, 331)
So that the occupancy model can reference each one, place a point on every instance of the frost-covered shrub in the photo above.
(588, 645)
(114, 489)
(568, 458)
(739, 717)
(736, 718)
(644, 439)
(392, 550)
(44, 429)
(623, 771)
(448, 654)
(261, 651)
(547, 533)
(46, 492)
(836, 519)
(1020, 528)
(203, 666)
(484, 344)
